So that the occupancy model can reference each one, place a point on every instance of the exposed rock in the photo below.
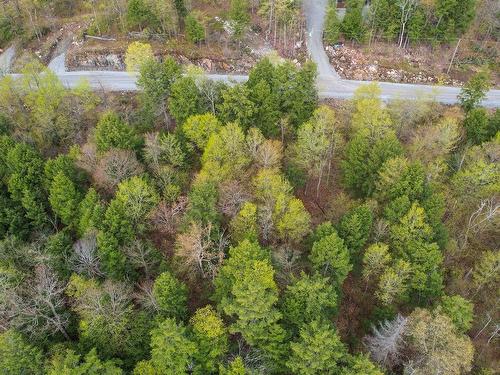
(183, 59)
(207, 64)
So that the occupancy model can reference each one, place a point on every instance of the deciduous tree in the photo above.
(387, 342)
(244, 224)
(137, 55)
(475, 90)
(199, 128)
(436, 345)
(225, 156)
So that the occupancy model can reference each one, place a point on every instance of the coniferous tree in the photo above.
(332, 25)
(17, 356)
(365, 154)
(69, 363)
(170, 296)
(112, 132)
(195, 31)
(238, 13)
(330, 257)
(459, 310)
(353, 26)
(184, 100)
(355, 227)
(211, 340)
(308, 298)
(171, 350)
(64, 199)
(318, 350)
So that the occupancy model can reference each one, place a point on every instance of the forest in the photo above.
(414, 21)
(198, 226)
(245, 229)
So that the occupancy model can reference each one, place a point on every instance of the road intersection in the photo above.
(329, 83)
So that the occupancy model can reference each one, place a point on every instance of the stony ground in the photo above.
(387, 62)
(354, 63)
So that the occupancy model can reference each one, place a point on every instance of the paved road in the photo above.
(330, 85)
(58, 64)
(315, 15)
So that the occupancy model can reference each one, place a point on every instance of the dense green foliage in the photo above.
(440, 20)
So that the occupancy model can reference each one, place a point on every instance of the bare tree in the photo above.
(485, 216)
(265, 219)
(232, 195)
(37, 306)
(201, 250)
(407, 7)
(114, 167)
(387, 342)
(269, 154)
(145, 297)
(85, 259)
(166, 217)
(286, 258)
(211, 91)
(152, 149)
(142, 255)
(87, 159)
(110, 301)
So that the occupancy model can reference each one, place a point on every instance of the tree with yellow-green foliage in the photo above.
(244, 224)
(369, 111)
(199, 128)
(211, 338)
(225, 155)
(318, 142)
(137, 55)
